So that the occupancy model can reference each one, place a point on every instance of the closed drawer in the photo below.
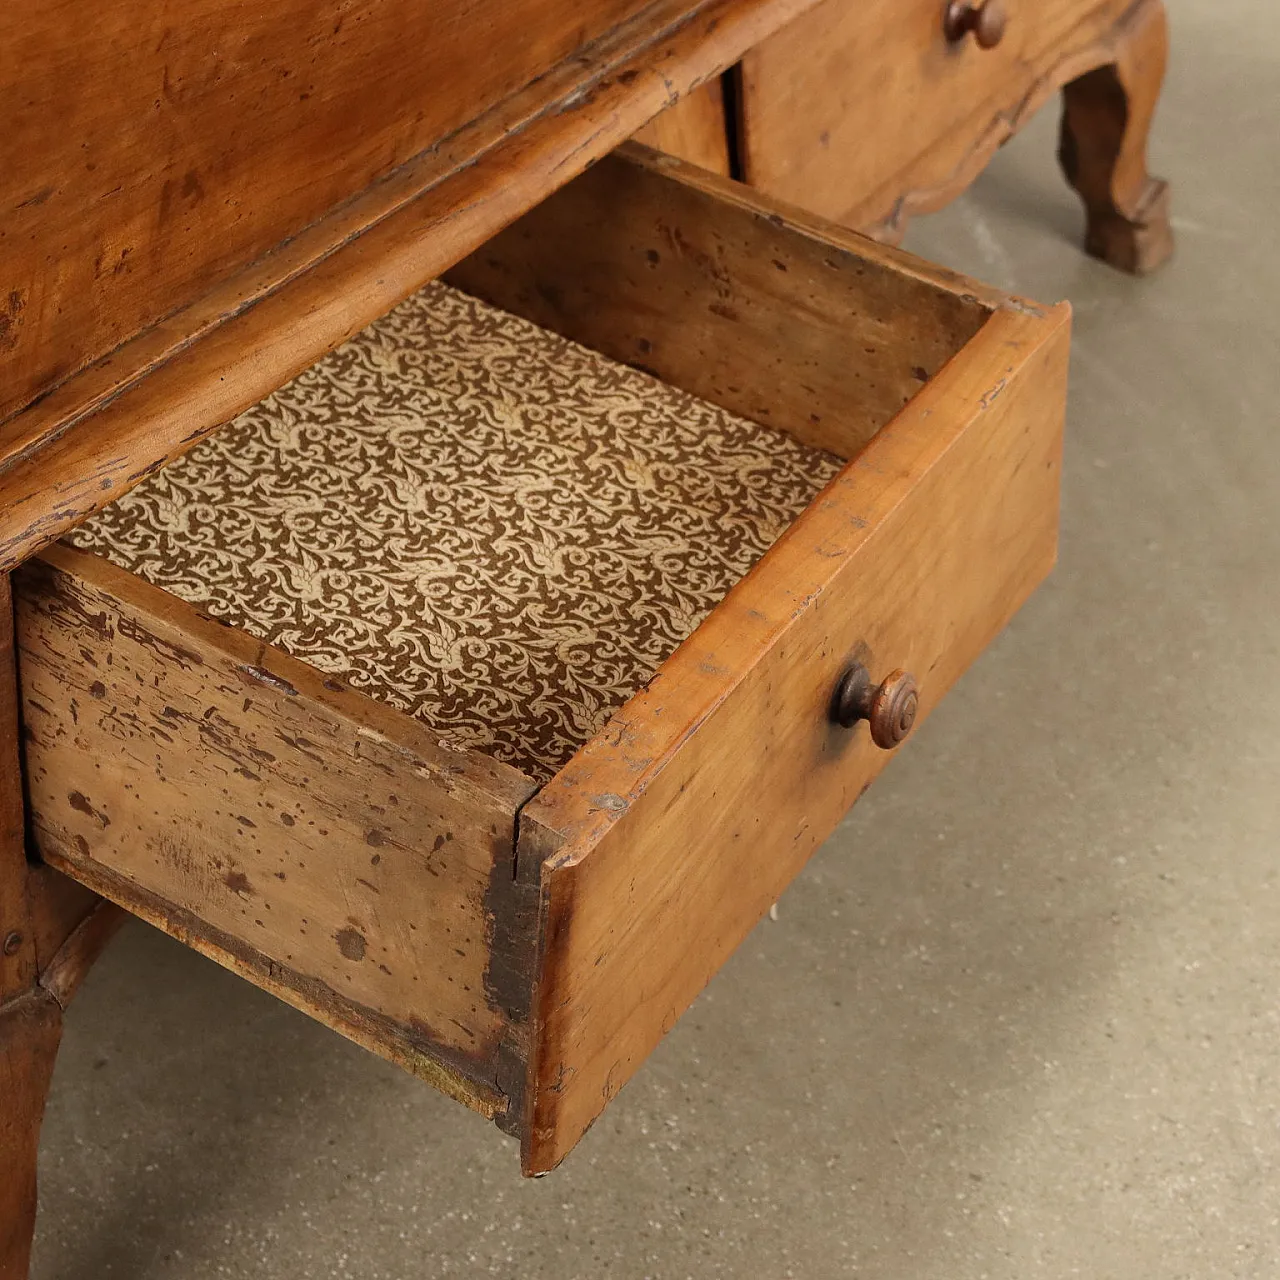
(854, 107)
(494, 784)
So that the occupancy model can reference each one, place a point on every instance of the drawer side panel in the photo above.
(313, 840)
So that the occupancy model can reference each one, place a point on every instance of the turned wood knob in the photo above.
(987, 20)
(889, 707)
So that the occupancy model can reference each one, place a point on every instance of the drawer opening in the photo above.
(504, 535)
(475, 521)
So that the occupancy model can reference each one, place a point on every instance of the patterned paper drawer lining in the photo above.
(489, 527)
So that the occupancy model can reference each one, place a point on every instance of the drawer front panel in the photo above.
(296, 831)
(915, 557)
(853, 104)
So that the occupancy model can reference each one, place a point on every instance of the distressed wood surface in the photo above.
(761, 309)
(695, 129)
(868, 114)
(310, 838)
(150, 400)
(670, 834)
(152, 147)
(43, 906)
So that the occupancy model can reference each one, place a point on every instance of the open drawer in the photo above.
(515, 892)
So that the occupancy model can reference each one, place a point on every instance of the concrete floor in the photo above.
(1019, 1017)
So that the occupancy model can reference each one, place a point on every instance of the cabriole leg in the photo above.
(30, 1028)
(51, 931)
(1106, 118)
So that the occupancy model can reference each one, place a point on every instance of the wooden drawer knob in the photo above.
(987, 20)
(889, 707)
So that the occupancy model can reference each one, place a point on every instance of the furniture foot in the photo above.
(1106, 118)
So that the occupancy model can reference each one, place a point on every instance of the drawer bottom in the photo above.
(490, 528)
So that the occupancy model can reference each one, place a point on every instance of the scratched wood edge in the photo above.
(509, 920)
(74, 463)
(267, 665)
(364, 1026)
(18, 970)
(561, 826)
(792, 219)
(886, 212)
(515, 899)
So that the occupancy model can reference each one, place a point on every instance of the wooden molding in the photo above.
(148, 402)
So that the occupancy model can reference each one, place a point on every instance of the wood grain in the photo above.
(151, 400)
(17, 960)
(771, 314)
(323, 844)
(868, 114)
(155, 147)
(695, 129)
(670, 834)
(59, 905)
(80, 950)
(30, 1031)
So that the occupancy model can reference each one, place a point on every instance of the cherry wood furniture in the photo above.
(872, 112)
(203, 202)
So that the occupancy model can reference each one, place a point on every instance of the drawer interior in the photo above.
(501, 507)
(490, 528)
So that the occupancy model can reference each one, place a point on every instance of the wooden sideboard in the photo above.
(203, 202)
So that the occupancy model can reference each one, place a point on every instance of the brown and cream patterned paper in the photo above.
(481, 523)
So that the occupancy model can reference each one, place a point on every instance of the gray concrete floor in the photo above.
(1018, 1018)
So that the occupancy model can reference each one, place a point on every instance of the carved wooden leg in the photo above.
(30, 1019)
(30, 1031)
(30, 1028)
(1105, 121)
(51, 931)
